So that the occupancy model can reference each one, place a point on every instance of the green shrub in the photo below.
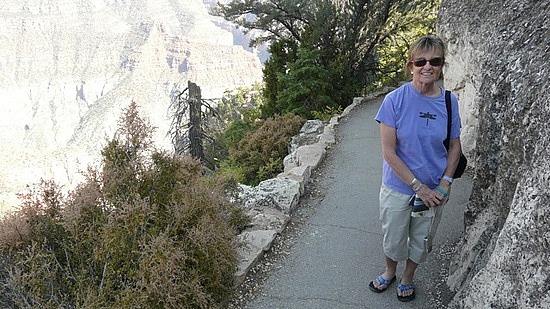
(327, 113)
(148, 230)
(259, 154)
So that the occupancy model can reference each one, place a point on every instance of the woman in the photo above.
(413, 126)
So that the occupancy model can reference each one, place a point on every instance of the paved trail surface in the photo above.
(338, 250)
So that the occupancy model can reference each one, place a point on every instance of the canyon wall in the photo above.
(498, 54)
(68, 68)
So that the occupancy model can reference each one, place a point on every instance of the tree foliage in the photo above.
(357, 43)
(307, 83)
(282, 53)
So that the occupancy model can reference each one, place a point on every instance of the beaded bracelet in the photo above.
(440, 190)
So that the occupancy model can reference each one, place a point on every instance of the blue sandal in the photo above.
(405, 287)
(381, 282)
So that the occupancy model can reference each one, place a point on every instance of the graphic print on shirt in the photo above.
(429, 116)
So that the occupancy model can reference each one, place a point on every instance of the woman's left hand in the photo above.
(429, 196)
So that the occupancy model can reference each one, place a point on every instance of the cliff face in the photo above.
(69, 67)
(498, 66)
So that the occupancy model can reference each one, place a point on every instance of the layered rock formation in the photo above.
(69, 67)
(498, 66)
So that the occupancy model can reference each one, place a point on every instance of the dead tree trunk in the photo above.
(195, 120)
(190, 117)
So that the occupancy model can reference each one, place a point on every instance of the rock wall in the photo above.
(498, 54)
(68, 68)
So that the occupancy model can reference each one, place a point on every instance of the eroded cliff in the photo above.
(498, 66)
(69, 67)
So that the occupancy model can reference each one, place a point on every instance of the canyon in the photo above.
(68, 69)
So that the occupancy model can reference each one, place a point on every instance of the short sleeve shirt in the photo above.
(421, 128)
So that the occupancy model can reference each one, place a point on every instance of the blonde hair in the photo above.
(425, 43)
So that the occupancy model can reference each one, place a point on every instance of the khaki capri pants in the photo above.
(404, 235)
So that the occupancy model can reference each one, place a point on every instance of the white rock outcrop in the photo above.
(498, 66)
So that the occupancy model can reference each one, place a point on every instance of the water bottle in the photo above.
(419, 209)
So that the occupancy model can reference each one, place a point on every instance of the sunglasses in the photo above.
(420, 62)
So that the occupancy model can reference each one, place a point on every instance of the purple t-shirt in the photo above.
(421, 125)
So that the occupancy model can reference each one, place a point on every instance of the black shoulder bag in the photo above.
(463, 162)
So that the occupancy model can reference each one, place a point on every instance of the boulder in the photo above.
(280, 193)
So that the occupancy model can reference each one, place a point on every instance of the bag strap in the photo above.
(449, 118)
